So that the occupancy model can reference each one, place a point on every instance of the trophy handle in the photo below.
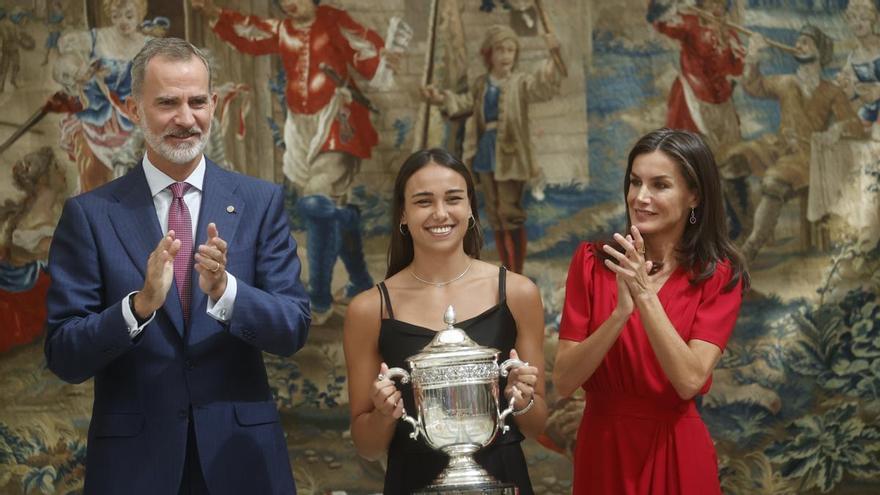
(507, 365)
(502, 424)
(505, 368)
(403, 375)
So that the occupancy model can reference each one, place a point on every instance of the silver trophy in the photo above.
(455, 384)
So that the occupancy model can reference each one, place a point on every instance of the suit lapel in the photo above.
(222, 206)
(135, 221)
(137, 226)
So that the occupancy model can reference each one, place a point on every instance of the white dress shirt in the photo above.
(221, 309)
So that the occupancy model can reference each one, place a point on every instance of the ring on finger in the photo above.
(214, 270)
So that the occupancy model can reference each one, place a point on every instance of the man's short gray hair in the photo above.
(174, 49)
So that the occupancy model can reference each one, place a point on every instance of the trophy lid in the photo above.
(451, 346)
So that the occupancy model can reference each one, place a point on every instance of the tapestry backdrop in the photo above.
(796, 397)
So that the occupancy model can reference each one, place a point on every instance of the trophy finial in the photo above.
(449, 316)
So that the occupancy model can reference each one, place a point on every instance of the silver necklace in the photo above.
(440, 284)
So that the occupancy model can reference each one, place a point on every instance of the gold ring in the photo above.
(641, 250)
(216, 267)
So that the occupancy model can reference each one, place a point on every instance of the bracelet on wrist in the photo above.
(525, 409)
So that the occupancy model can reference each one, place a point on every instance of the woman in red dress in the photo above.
(643, 326)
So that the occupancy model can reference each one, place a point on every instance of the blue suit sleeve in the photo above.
(273, 313)
(84, 333)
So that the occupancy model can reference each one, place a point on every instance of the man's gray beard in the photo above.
(181, 154)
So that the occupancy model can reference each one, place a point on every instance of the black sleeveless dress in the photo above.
(412, 465)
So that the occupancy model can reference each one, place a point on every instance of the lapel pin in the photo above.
(230, 209)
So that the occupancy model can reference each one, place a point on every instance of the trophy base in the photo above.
(477, 489)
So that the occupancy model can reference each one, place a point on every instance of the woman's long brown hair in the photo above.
(707, 241)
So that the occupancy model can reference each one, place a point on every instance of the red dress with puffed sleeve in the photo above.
(637, 436)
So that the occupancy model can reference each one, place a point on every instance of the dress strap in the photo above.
(386, 299)
(502, 284)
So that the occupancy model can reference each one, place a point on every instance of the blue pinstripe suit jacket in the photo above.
(145, 387)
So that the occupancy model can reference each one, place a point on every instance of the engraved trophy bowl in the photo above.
(455, 387)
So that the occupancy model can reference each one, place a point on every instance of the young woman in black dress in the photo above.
(433, 261)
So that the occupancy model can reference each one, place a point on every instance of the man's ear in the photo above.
(214, 99)
(131, 109)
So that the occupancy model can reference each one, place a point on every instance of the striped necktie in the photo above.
(180, 222)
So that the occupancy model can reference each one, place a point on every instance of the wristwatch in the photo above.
(140, 321)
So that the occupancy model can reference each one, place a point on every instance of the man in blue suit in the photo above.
(167, 286)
